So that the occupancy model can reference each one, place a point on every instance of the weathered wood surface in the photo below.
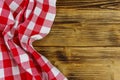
(84, 42)
(89, 63)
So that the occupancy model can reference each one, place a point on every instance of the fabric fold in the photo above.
(21, 23)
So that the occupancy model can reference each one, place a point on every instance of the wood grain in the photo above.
(89, 63)
(84, 40)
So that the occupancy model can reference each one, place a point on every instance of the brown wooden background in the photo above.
(84, 42)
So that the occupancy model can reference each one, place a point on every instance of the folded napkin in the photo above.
(21, 23)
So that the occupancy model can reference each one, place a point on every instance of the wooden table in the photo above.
(84, 43)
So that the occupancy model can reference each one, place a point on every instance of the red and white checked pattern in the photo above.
(21, 23)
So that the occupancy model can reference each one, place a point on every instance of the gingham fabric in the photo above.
(21, 23)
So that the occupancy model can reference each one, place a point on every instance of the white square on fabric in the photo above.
(15, 70)
(50, 16)
(31, 0)
(55, 71)
(24, 38)
(29, 70)
(41, 1)
(24, 58)
(44, 59)
(36, 37)
(45, 30)
(1, 73)
(37, 11)
(14, 6)
(11, 16)
(31, 25)
(1, 56)
(65, 79)
(28, 13)
(0, 10)
(52, 2)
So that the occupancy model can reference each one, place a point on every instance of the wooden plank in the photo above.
(84, 26)
(85, 63)
(89, 4)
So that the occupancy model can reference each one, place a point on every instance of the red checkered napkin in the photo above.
(21, 23)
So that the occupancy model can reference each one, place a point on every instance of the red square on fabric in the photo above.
(46, 67)
(22, 29)
(15, 52)
(45, 7)
(23, 77)
(40, 21)
(54, 79)
(3, 20)
(3, 48)
(5, 6)
(7, 63)
(9, 78)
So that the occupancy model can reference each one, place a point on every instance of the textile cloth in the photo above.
(21, 23)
